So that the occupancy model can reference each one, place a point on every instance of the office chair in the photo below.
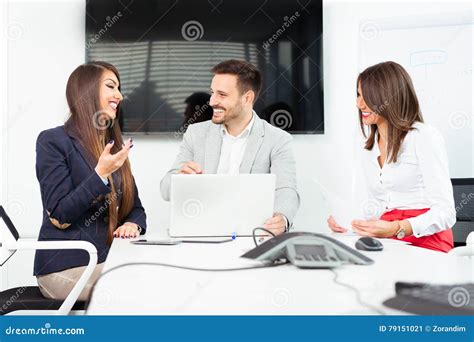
(463, 189)
(28, 300)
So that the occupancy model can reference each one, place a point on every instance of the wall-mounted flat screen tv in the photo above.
(164, 50)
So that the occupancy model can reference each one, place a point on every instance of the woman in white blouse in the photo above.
(405, 179)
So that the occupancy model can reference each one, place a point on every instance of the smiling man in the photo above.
(237, 141)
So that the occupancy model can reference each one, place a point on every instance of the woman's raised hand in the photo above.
(109, 163)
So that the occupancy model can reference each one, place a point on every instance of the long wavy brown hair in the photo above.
(89, 125)
(388, 91)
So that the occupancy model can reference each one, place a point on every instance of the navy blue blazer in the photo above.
(74, 201)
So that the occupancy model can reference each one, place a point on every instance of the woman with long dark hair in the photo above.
(403, 163)
(87, 188)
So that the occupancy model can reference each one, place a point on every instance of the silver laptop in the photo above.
(220, 205)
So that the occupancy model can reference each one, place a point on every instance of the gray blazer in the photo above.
(268, 151)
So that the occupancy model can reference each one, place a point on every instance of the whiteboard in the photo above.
(437, 53)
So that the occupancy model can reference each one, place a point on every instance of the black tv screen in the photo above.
(164, 50)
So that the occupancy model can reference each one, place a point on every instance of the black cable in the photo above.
(173, 266)
(357, 292)
(335, 279)
(260, 228)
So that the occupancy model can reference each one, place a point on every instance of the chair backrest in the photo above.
(8, 233)
(463, 189)
(10, 228)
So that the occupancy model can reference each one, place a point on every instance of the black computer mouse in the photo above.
(367, 243)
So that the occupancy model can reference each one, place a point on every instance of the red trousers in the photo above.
(442, 241)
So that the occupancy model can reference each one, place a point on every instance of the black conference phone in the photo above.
(307, 250)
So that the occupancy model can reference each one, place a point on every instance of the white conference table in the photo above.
(281, 290)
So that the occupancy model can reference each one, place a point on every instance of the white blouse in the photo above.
(419, 179)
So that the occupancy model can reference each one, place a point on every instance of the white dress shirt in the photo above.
(104, 180)
(233, 149)
(419, 179)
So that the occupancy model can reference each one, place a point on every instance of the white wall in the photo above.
(3, 109)
(47, 43)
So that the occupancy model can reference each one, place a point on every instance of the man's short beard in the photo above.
(232, 113)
